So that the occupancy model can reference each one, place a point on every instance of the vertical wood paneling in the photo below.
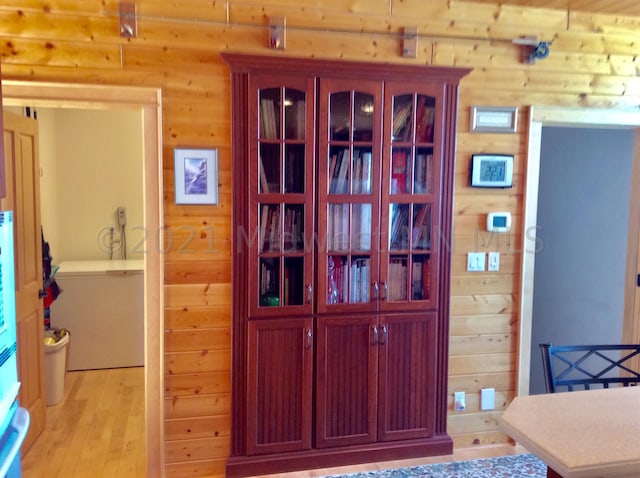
(593, 62)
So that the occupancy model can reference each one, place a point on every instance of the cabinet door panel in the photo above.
(346, 390)
(410, 196)
(279, 385)
(348, 181)
(279, 236)
(407, 376)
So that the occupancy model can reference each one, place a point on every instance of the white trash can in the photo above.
(55, 367)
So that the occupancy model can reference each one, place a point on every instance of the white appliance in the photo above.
(14, 420)
(102, 307)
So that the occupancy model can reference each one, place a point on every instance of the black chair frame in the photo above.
(614, 371)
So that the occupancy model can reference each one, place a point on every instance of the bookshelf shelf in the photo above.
(342, 200)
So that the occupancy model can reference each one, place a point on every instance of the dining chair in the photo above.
(582, 367)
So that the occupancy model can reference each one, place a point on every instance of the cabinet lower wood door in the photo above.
(280, 359)
(406, 356)
(346, 381)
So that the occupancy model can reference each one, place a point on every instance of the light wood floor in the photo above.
(96, 431)
(460, 454)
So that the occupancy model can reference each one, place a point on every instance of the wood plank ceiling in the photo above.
(615, 7)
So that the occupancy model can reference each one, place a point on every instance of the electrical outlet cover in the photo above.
(488, 399)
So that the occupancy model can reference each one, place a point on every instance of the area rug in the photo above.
(512, 466)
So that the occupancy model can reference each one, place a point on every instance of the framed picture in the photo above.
(196, 176)
(493, 119)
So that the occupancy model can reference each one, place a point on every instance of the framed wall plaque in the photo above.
(493, 119)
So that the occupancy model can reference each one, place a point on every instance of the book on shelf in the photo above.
(365, 186)
(339, 178)
(397, 282)
(420, 233)
(420, 278)
(422, 172)
(269, 229)
(398, 171)
(268, 119)
(292, 228)
(264, 184)
(361, 227)
(398, 238)
(334, 172)
(358, 285)
(268, 279)
(357, 174)
(340, 226)
(416, 280)
(402, 117)
(424, 132)
(426, 278)
(264, 217)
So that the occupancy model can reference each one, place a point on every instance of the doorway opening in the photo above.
(554, 116)
(147, 102)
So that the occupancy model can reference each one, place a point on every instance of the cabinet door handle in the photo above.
(385, 289)
(309, 335)
(376, 290)
(374, 329)
(309, 293)
(384, 335)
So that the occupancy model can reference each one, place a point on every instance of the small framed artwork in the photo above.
(196, 176)
(492, 170)
(493, 119)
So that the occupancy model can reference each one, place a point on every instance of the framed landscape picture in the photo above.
(196, 176)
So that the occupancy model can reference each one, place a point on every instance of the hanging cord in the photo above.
(111, 231)
(123, 242)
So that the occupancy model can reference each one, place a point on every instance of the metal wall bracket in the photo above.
(128, 20)
(277, 30)
(410, 42)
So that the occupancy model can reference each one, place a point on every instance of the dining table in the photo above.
(579, 434)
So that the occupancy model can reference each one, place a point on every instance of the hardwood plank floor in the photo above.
(97, 429)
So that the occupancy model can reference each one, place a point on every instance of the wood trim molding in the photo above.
(246, 63)
(149, 102)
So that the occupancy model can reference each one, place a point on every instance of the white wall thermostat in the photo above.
(499, 221)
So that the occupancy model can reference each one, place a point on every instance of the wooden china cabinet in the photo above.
(343, 182)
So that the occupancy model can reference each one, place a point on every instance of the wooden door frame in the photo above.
(540, 116)
(147, 101)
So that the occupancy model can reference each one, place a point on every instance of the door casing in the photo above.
(147, 101)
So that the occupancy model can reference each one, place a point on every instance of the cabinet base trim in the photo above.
(239, 466)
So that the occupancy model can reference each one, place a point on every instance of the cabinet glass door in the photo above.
(348, 181)
(282, 198)
(410, 192)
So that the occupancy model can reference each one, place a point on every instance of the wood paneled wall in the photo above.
(593, 62)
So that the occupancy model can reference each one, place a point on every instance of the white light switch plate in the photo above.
(459, 403)
(475, 261)
(494, 262)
